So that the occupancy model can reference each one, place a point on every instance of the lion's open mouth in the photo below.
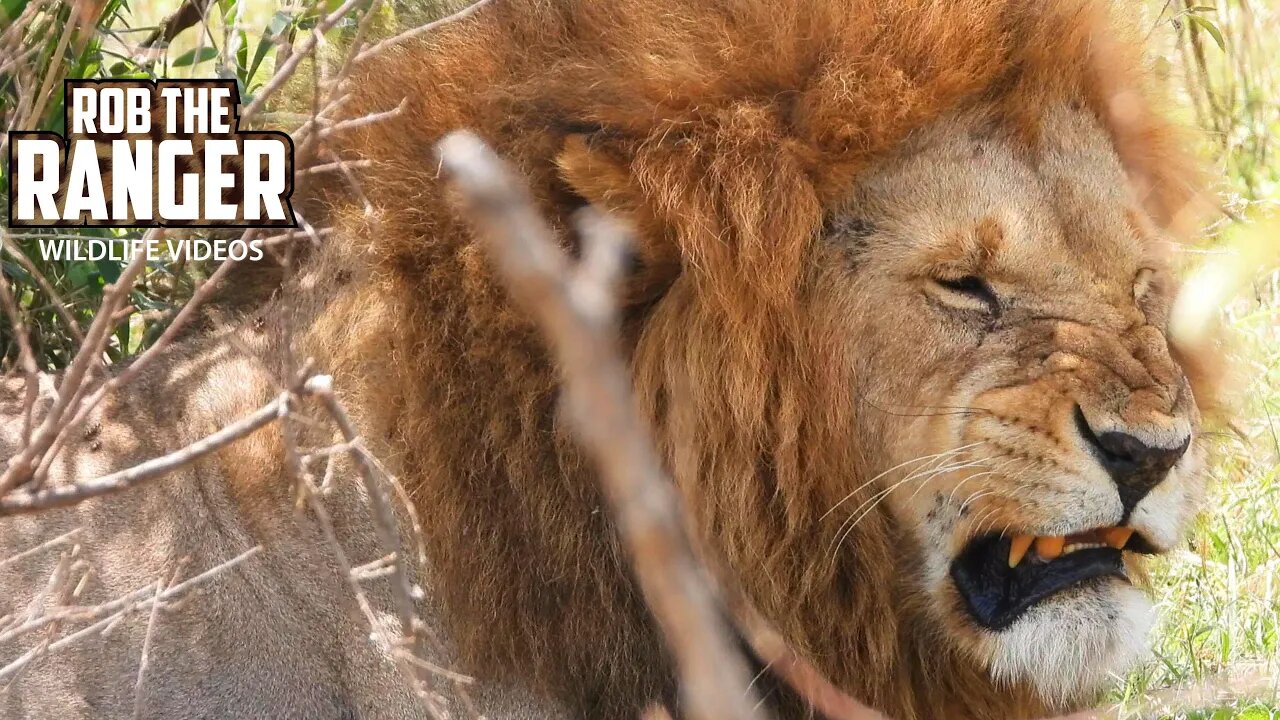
(1000, 577)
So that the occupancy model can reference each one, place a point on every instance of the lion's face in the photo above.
(1037, 434)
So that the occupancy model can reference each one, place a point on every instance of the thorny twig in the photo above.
(145, 659)
(384, 517)
(409, 648)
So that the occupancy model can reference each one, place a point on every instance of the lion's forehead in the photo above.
(1061, 218)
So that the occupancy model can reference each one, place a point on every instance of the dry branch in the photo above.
(23, 501)
(573, 306)
(188, 14)
(59, 305)
(805, 680)
(420, 30)
(21, 468)
(408, 649)
(384, 517)
(109, 613)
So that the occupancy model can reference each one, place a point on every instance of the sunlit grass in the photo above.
(1219, 599)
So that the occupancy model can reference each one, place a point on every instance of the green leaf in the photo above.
(230, 11)
(122, 337)
(279, 21)
(193, 57)
(16, 272)
(11, 9)
(1208, 26)
(80, 274)
(242, 55)
(109, 270)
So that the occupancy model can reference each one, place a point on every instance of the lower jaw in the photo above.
(1071, 647)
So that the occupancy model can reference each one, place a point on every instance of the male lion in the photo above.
(897, 314)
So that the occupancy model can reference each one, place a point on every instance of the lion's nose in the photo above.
(1134, 466)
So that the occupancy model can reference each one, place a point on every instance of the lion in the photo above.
(897, 312)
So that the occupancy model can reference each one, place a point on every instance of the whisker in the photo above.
(988, 514)
(896, 467)
(969, 501)
(951, 499)
(847, 527)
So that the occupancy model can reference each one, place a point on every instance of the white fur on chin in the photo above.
(1069, 646)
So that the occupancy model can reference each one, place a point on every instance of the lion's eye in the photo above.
(969, 291)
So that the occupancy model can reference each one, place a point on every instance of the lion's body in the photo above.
(277, 635)
(730, 134)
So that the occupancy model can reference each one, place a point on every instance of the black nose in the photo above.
(1134, 466)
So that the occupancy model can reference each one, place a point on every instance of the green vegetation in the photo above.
(1219, 600)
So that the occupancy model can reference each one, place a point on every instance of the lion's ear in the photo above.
(600, 175)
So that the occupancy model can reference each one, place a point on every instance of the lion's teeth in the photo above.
(1018, 548)
(1055, 546)
(1117, 537)
(1050, 548)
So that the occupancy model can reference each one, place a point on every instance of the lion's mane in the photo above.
(722, 130)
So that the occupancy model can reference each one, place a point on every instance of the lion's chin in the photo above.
(1069, 646)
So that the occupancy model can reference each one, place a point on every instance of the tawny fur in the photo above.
(730, 134)
(725, 132)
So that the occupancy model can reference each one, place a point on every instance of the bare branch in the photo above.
(59, 305)
(799, 674)
(188, 14)
(22, 501)
(107, 614)
(46, 545)
(573, 307)
(22, 466)
(321, 386)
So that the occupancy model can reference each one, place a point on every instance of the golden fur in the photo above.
(726, 132)
(800, 173)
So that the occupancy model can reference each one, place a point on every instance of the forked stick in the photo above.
(573, 305)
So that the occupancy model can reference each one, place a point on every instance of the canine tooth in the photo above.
(1050, 548)
(1117, 537)
(1018, 548)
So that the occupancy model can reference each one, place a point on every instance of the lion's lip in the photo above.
(997, 593)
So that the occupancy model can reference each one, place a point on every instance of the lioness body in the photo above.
(276, 634)
(870, 236)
